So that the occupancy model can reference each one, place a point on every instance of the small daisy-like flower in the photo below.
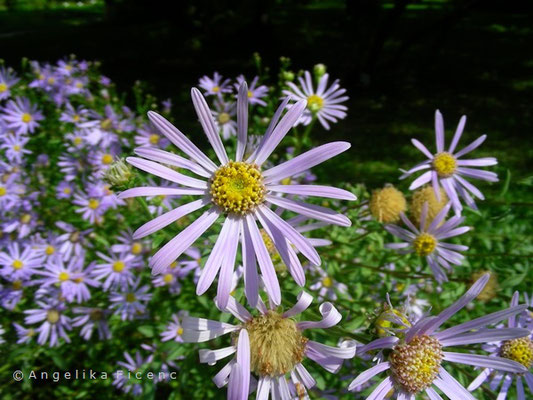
(10, 192)
(130, 303)
(327, 287)
(54, 323)
(324, 102)
(73, 241)
(91, 207)
(14, 147)
(90, 318)
(129, 245)
(116, 270)
(122, 380)
(66, 68)
(148, 135)
(428, 242)
(20, 265)
(519, 350)
(271, 346)
(414, 363)
(64, 190)
(255, 93)
(76, 115)
(25, 335)
(446, 167)
(241, 192)
(215, 86)
(21, 116)
(7, 80)
(224, 116)
(174, 330)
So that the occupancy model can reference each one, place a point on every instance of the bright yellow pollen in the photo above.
(3, 191)
(416, 364)
(180, 331)
(519, 350)
(77, 140)
(327, 282)
(52, 316)
(223, 118)
(136, 248)
(154, 138)
(25, 219)
(107, 159)
(315, 103)
(168, 278)
(250, 94)
(445, 164)
(130, 297)
(17, 264)
(424, 244)
(276, 344)
(93, 204)
(50, 250)
(387, 323)
(386, 204)
(3, 87)
(237, 187)
(63, 276)
(216, 89)
(118, 266)
(16, 148)
(76, 118)
(67, 190)
(17, 285)
(26, 118)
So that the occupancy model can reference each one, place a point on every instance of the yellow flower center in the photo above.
(118, 266)
(93, 204)
(223, 118)
(25, 219)
(327, 282)
(79, 85)
(519, 350)
(67, 190)
(50, 250)
(107, 159)
(130, 297)
(105, 124)
(424, 244)
(74, 237)
(154, 138)
(78, 280)
(136, 248)
(3, 87)
(445, 164)
(17, 264)
(77, 140)
(237, 187)
(52, 316)
(416, 364)
(17, 285)
(386, 204)
(216, 89)
(276, 344)
(68, 67)
(3, 191)
(315, 103)
(26, 118)
(16, 148)
(76, 118)
(63, 276)
(250, 94)
(168, 278)
(180, 331)
(385, 323)
(51, 80)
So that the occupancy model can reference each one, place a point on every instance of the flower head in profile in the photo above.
(270, 346)
(215, 86)
(21, 116)
(7, 80)
(323, 103)
(447, 169)
(414, 359)
(428, 241)
(519, 350)
(242, 193)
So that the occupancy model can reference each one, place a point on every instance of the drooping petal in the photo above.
(330, 317)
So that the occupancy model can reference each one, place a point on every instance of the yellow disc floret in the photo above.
(136, 248)
(327, 282)
(519, 350)
(26, 118)
(416, 364)
(237, 187)
(3, 191)
(386, 204)
(17, 264)
(427, 195)
(52, 316)
(388, 322)
(154, 138)
(315, 103)
(93, 204)
(3, 87)
(107, 159)
(118, 266)
(50, 250)
(223, 118)
(63, 276)
(276, 344)
(130, 297)
(168, 278)
(424, 244)
(445, 164)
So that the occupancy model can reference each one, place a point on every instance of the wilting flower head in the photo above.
(414, 363)
(7, 80)
(324, 102)
(428, 242)
(271, 346)
(241, 192)
(386, 204)
(21, 116)
(447, 169)
(519, 350)
(425, 195)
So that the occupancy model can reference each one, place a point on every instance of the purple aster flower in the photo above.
(105, 81)
(242, 193)
(148, 135)
(24, 224)
(447, 169)
(270, 345)
(11, 295)
(20, 265)
(54, 323)
(7, 80)
(414, 363)
(174, 330)
(66, 68)
(21, 116)
(215, 86)
(25, 335)
(90, 318)
(122, 380)
(130, 303)
(324, 103)
(73, 241)
(10, 192)
(91, 207)
(129, 245)
(64, 190)
(70, 166)
(76, 115)
(327, 287)
(428, 240)
(14, 147)
(519, 350)
(116, 270)
(255, 93)
(224, 117)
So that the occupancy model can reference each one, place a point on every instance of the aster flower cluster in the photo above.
(120, 234)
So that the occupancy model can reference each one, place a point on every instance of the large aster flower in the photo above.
(414, 357)
(519, 350)
(428, 240)
(241, 192)
(21, 116)
(271, 346)
(447, 169)
(323, 102)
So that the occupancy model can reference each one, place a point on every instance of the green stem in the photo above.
(144, 206)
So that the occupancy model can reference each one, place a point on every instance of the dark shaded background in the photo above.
(400, 60)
